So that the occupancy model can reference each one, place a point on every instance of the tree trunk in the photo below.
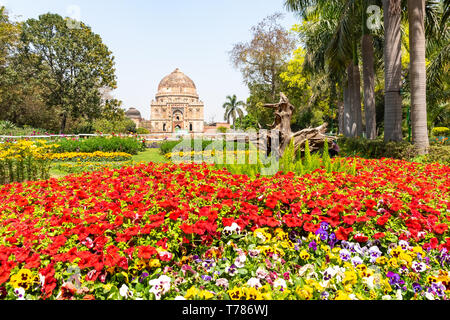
(352, 114)
(348, 102)
(369, 86)
(63, 124)
(393, 71)
(357, 101)
(418, 75)
(341, 117)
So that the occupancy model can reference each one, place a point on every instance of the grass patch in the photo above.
(150, 155)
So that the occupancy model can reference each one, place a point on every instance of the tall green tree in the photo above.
(342, 19)
(261, 60)
(72, 63)
(232, 109)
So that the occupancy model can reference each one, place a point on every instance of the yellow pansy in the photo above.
(386, 286)
(204, 294)
(305, 292)
(361, 267)
(304, 255)
(262, 235)
(405, 259)
(381, 260)
(23, 279)
(350, 277)
(236, 294)
(396, 252)
(154, 263)
(366, 273)
(336, 250)
(253, 294)
(325, 248)
(341, 295)
(139, 265)
(191, 293)
(393, 263)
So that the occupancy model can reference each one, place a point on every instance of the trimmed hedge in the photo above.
(105, 144)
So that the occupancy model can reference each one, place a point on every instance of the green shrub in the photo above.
(376, 149)
(142, 131)
(440, 132)
(105, 144)
(222, 129)
(7, 128)
(436, 154)
(114, 126)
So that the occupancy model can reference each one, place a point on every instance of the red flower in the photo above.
(379, 235)
(383, 219)
(187, 229)
(146, 252)
(350, 219)
(271, 202)
(308, 226)
(362, 219)
(440, 228)
(342, 234)
(360, 238)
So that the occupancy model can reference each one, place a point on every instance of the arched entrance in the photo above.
(178, 120)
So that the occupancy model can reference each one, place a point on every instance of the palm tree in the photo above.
(341, 54)
(232, 110)
(418, 75)
(393, 70)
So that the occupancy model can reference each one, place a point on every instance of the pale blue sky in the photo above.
(149, 39)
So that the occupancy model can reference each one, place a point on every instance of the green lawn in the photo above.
(150, 155)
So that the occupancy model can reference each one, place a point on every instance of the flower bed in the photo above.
(90, 156)
(79, 167)
(191, 232)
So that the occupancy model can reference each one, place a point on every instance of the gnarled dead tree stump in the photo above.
(282, 127)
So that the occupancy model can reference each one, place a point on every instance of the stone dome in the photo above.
(177, 83)
(133, 113)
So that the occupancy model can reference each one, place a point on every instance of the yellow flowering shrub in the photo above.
(23, 160)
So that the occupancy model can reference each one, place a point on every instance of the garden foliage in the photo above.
(129, 145)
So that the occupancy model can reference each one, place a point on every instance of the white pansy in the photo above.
(280, 283)
(123, 291)
(254, 282)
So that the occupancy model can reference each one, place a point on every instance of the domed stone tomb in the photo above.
(177, 106)
(135, 115)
